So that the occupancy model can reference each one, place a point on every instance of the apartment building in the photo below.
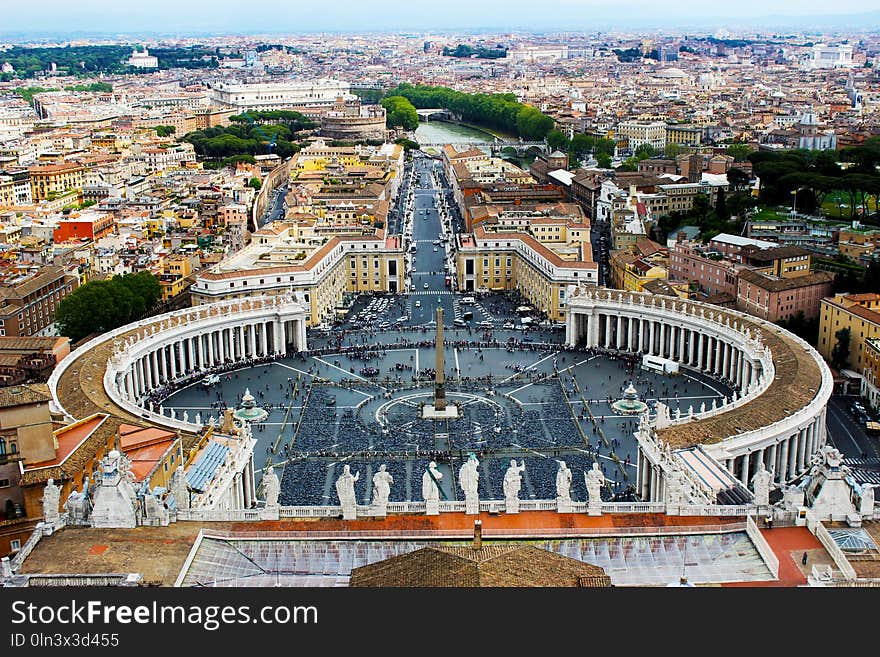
(526, 259)
(52, 179)
(870, 388)
(860, 313)
(301, 257)
(637, 133)
(28, 301)
(775, 298)
(84, 225)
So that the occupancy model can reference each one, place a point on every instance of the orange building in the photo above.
(91, 226)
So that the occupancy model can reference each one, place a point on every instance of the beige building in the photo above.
(53, 179)
(301, 257)
(860, 313)
(539, 256)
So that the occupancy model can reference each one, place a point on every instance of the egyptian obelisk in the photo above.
(439, 409)
(439, 375)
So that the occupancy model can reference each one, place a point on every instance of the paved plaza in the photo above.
(354, 399)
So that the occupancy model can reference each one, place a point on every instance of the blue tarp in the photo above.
(202, 471)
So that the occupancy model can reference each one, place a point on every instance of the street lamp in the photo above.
(794, 194)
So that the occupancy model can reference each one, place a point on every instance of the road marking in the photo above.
(843, 426)
(348, 374)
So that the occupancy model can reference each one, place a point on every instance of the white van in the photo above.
(468, 301)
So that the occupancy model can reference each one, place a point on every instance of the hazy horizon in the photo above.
(219, 17)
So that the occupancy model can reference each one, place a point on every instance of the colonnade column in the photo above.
(792, 455)
(783, 462)
(651, 338)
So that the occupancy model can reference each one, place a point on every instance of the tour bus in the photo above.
(658, 364)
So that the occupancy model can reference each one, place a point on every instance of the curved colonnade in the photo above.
(177, 346)
(776, 415)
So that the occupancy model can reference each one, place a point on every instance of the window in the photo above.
(4, 483)
(14, 545)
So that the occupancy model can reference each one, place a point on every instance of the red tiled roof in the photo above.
(71, 437)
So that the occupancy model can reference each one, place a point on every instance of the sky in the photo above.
(299, 16)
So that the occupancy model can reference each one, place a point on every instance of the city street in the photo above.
(860, 450)
(276, 207)
(429, 259)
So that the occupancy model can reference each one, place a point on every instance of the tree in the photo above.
(408, 144)
(840, 351)
(672, 151)
(645, 151)
(256, 183)
(739, 152)
(557, 141)
(701, 207)
(721, 206)
(100, 306)
(400, 113)
(165, 130)
(738, 179)
(603, 160)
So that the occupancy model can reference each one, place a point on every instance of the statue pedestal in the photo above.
(594, 509)
(472, 507)
(563, 505)
(270, 513)
(432, 507)
(349, 513)
(511, 505)
(379, 510)
(431, 413)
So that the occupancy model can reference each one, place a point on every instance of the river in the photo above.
(443, 132)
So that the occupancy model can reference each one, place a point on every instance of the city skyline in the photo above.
(226, 17)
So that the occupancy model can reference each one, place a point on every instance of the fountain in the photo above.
(249, 411)
(630, 404)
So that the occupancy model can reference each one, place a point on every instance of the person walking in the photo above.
(804, 559)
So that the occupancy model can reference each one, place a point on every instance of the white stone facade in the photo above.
(700, 337)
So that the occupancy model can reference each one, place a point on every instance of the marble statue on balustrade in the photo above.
(866, 500)
(469, 480)
(594, 480)
(512, 485)
(345, 491)
(272, 487)
(382, 481)
(155, 512)
(676, 492)
(78, 505)
(563, 488)
(179, 488)
(762, 482)
(51, 498)
(431, 489)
